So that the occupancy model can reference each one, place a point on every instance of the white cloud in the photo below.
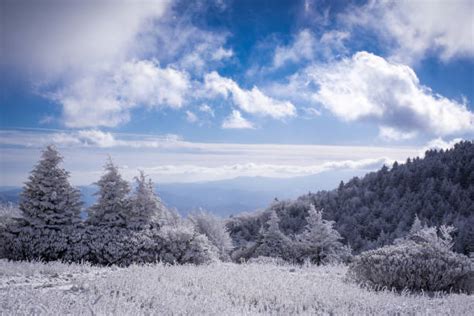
(106, 99)
(191, 117)
(47, 119)
(222, 53)
(439, 143)
(251, 101)
(206, 109)
(97, 138)
(58, 38)
(302, 48)
(236, 121)
(368, 87)
(100, 59)
(419, 28)
(310, 112)
(193, 173)
(391, 134)
(307, 47)
(85, 152)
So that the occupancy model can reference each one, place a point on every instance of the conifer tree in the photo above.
(112, 206)
(320, 242)
(274, 243)
(48, 199)
(416, 226)
(146, 207)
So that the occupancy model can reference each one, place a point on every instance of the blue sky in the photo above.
(206, 90)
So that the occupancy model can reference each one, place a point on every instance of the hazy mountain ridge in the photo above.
(224, 197)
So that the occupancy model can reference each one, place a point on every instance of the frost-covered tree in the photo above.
(421, 261)
(320, 243)
(51, 214)
(146, 208)
(214, 229)
(112, 206)
(181, 244)
(416, 226)
(273, 242)
(439, 188)
(48, 199)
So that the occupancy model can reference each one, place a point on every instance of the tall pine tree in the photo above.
(146, 207)
(48, 199)
(274, 243)
(112, 206)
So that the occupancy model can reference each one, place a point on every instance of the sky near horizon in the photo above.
(208, 90)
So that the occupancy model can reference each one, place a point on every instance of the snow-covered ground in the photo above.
(216, 289)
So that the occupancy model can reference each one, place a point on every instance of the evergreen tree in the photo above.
(274, 243)
(416, 226)
(146, 207)
(320, 242)
(112, 206)
(48, 199)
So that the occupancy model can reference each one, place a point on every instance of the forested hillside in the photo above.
(374, 210)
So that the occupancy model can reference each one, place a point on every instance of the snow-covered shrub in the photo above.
(320, 243)
(267, 260)
(214, 229)
(422, 261)
(9, 210)
(182, 244)
(26, 242)
(112, 206)
(8, 213)
(117, 245)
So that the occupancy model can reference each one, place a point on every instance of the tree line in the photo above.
(375, 210)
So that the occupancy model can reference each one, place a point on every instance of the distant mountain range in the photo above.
(225, 197)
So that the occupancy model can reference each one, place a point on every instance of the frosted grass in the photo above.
(216, 289)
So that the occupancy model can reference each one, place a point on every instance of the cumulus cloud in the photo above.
(106, 99)
(368, 87)
(251, 101)
(236, 121)
(99, 60)
(418, 28)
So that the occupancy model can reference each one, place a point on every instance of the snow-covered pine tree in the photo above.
(48, 199)
(416, 226)
(146, 208)
(274, 243)
(112, 206)
(320, 243)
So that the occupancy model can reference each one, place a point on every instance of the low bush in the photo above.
(416, 263)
